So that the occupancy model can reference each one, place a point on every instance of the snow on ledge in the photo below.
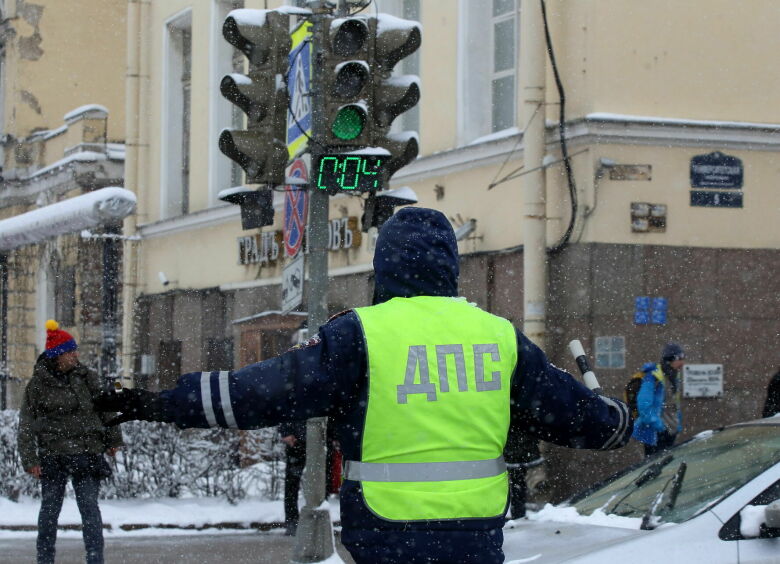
(605, 116)
(503, 134)
(102, 111)
(82, 156)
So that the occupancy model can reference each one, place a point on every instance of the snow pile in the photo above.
(154, 516)
(751, 519)
(569, 515)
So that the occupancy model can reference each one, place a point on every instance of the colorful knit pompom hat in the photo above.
(58, 341)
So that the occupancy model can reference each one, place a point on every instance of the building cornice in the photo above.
(196, 220)
(602, 128)
(595, 128)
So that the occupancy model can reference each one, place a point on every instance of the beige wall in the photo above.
(61, 56)
(685, 60)
(699, 59)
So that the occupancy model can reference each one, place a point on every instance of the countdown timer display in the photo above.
(349, 173)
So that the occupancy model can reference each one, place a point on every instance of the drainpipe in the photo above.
(532, 85)
(137, 17)
(4, 329)
(108, 364)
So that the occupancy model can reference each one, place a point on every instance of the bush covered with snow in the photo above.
(159, 460)
(14, 481)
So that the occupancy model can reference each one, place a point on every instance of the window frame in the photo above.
(475, 78)
(175, 134)
(610, 352)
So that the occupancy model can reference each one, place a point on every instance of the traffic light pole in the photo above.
(314, 539)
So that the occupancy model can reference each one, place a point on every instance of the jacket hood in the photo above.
(416, 255)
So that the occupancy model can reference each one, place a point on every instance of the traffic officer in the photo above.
(421, 386)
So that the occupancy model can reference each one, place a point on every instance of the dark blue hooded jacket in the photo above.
(416, 254)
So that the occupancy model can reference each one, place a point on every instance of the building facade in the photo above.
(62, 110)
(672, 140)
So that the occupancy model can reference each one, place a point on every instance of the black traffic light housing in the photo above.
(257, 208)
(363, 98)
(261, 149)
(379, 207)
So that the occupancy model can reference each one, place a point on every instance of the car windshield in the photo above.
(717, 463)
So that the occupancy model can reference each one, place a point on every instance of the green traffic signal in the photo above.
(349, 123)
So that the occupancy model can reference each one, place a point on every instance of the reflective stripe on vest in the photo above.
(439, 380)
(424, 471)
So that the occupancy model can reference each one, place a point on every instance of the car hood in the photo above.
(549, 541)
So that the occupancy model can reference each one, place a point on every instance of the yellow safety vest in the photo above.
(439, 379)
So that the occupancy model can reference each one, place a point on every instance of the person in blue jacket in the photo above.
(421, 387)
(659, 401)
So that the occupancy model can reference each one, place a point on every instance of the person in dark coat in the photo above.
(61, 436)
(420, 387)
(521, 450)
(294, 438)
(293, 435)
(772, 404)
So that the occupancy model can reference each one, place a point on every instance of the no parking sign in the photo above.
(296, 203)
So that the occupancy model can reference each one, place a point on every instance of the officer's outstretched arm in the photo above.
(316, 379)
(558, 408)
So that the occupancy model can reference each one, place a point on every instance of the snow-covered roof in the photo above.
(267, 313)
(81, 156)
(87, 108)
(247, 16)
(106, 205)
(387, 22)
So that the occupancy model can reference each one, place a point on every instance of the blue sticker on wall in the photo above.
(650, 310)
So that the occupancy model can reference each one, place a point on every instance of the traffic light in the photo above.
(257, 209)
(363, 99)
(393, 39)
(347, 83)
(261, 149)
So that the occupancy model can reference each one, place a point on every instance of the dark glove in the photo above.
(134, 404)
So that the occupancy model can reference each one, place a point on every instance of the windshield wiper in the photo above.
(649, 473)
(648, 520)
(676, 485)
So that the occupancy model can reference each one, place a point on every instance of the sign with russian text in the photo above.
(262, 248)
(703, 380)
(716, 170)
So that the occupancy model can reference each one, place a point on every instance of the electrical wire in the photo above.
(562, 137)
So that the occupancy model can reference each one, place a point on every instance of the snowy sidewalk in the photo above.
(150, 515)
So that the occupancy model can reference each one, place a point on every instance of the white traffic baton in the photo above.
(578, 352)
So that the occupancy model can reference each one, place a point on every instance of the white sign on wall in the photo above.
(292, 284)
(703, 380)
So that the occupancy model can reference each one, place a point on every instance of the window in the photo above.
(44, 298)
(65, 296)
(223, 173)
(718, 463)
(176, 116)
(488, 69)
(610, 352)
(502, 84)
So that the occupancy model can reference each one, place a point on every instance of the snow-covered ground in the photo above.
(545, 532)
(182, 513)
